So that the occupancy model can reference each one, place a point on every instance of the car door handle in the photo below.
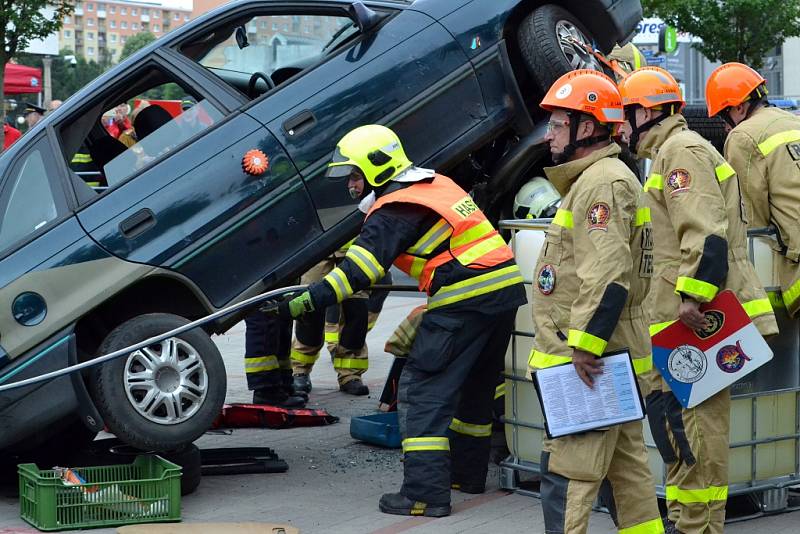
(302, 122)
(137, 223)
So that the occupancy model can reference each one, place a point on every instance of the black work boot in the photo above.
(669, 527)
(467, 487)
(354, 387)
(397, 504)
(301, 382)
(279, 399)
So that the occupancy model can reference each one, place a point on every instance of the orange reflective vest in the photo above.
(473, 241)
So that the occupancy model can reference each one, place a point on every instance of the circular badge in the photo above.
(687, 364)
(598, 216)
(679, 181)
(715, 319)
(731, 358)
(591, 97)
(564, 92)
(255, 162)
(546, 281)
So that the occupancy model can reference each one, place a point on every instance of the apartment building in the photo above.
(99, 30)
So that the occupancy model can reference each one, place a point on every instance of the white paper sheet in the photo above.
(570, 406)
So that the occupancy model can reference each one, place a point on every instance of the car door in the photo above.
(407, 73)
(184, 202)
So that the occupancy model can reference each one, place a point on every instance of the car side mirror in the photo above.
(365, 17)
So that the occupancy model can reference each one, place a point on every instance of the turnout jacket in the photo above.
(593, 273)
(764, 150)
(699, 227)
(432, 230)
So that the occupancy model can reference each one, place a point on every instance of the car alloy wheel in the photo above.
(570, 39)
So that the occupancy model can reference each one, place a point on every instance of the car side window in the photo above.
(276, 46)
(29, 201)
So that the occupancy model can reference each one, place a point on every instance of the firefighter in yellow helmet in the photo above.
(699, 231)
(763, 147)
(591, 280)
(429, 227)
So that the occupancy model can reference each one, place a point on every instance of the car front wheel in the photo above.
(163, 396)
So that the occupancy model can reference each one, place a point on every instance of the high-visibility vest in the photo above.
(473, 241)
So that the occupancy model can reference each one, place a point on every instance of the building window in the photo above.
(90, 22)
(67, 33)
(113, 9)
(156, 28)
(123, 25)
(67, 20)
(134, 26)
(274, 26)
(186, 18)
(89, 7)
(90, 50)
(90, 36)
(145, 11)
(123, 10)
(101, 6)
(177, 16)
(113, 37)
(134, 11)
(156, 13)
(123, 38)
(113, 23)
(263, 24)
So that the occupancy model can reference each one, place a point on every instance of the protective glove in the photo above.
(294, 308)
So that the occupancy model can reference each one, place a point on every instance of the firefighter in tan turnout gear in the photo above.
(700, 248)
(591, 281)
(763, 147)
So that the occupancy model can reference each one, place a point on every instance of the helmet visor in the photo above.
(342, 171)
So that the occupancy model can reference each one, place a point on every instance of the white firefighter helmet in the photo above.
(536, 199)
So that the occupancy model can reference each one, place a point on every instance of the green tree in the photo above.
(731, 30)
(22, 21)
(135, 42)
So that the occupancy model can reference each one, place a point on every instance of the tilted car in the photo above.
(105, 243)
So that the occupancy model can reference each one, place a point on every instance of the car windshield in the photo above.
(270, 42)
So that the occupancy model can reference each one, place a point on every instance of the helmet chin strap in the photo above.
(751, 107)
(637, 129)
(574, 143)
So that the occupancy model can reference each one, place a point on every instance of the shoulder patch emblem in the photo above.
(598, 216)
(546, 280)
(678, 181)
(715, 320)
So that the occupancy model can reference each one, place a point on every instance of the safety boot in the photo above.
(354, 387)
(301, 382)
(279, 399)
(669, 527)
(467, 487)
(397, 504)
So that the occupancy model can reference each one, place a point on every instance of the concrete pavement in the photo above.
(333, 483)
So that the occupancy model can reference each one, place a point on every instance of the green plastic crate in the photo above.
(146, 491)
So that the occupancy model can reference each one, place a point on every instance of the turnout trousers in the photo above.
(446, 391)
(266, 355)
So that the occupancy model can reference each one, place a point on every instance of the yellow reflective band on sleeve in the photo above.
(473, 234)
(658, 327)
(791, 295)
(642, 365)
(468, 429)
(259, 364)
(724, 172)
(434, 237)
(351, 363)
(81, 158)
(777, 140)
(474, 253)
(499, 391)
(642, 217)
(346, 246)
(696, 288)
(371, 325)
(656, 181)
(586, 341)
(654, 526)
(754, 308)
(541, 360)
(366, 261)
(340, 284)
(563, 218)
(301, 357)
(425, 444)
(476, 286)
(689, 496)
(331, 337)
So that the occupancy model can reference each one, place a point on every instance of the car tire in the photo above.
(162, 397)
(711, 128)
(545, 55)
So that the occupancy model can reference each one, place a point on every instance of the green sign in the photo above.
(670, 39)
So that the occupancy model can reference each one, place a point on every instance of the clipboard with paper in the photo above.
(570, 407)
